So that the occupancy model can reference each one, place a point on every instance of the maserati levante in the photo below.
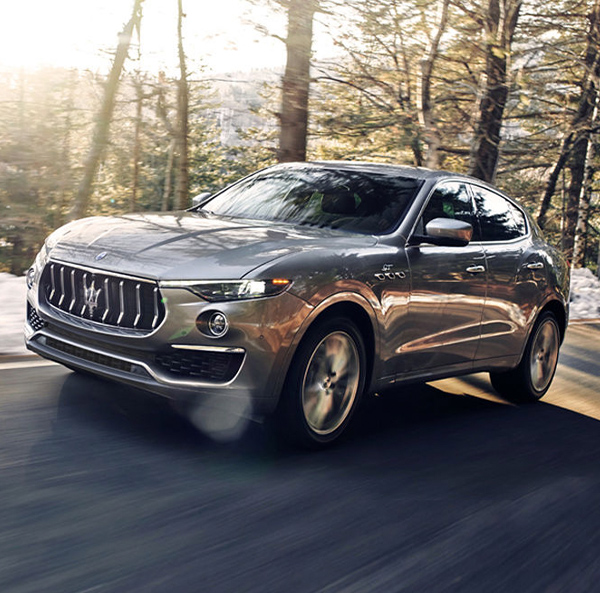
(304, 287)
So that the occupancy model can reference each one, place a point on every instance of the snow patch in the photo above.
(12, 314)
(585, 294)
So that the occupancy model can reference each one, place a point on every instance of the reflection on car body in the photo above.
(304, 286)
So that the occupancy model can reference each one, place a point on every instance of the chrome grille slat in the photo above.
(138, 305)
(106, 300)
(121, 302)
(52, 281)
(84, 307)
(103, 298)
(73, 293)
(62, 286)
(156, 309)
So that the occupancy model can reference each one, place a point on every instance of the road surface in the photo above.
(440, 487)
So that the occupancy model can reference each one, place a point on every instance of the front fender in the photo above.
(368, 304)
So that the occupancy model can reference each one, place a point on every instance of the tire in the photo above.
(529, 381)
(324, 384)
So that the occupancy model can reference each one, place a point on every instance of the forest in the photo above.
(503, 90)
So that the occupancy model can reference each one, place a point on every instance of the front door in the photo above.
(447, 292)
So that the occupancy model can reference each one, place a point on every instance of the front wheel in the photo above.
(324, 384)
(532, 378)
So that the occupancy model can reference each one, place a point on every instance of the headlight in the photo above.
(33, 274)
(231, 290)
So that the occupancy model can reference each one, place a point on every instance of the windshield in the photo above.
(369, 203)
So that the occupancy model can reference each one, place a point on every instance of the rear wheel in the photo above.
(324, 384)
(532, 378)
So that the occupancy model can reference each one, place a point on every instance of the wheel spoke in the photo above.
(330, 382)
(537, 372)
(317, 409)
(544, 355)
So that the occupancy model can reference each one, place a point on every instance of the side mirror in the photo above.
(200, 199)
(445, 232)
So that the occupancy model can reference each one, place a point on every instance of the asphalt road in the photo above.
(440, 487)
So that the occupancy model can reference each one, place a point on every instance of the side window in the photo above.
(499, 219)
(450, 200)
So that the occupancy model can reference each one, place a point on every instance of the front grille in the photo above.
(104, 298)
(209, 366)
(34, 319)
(101, 359)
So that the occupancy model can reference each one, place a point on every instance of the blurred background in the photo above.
(109, 107)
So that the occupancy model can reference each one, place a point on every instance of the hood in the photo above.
(186, 245)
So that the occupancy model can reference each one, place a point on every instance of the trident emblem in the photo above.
(90, 297)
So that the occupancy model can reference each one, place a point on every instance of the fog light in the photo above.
(218, 324)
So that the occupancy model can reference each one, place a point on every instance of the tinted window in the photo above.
(450, 200)
(499, 219)
(350, 200)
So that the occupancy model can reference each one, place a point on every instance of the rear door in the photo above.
(514, 271)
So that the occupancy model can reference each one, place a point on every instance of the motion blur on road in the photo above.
(439, 487)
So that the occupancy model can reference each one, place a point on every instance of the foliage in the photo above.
(41, 139)
(367, 102)
(47, 120)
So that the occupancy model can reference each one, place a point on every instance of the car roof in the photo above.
(381, 168)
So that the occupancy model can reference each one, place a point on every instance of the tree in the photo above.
(500, 22)
(404, 90)
(409, 84)
(101, 132)
(181, 137)
(138, 83)
(574, 147)
(425, 105)
(161, 112)
(41, 122)
(581, 229)
(578, 156)
(296, 81)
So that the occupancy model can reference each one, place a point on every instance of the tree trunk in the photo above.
(65, 172)
(578, 137)
(577, 167)
(580, 152)
(415, 146)
(161, 112)
(182, 190)
(296, 81)
(553, 180)
(500, 23)
(584, 210)
(100, 137)
(139, 101)
(166, 200)
(424, 103)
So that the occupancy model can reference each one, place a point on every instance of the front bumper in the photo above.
(175, 360)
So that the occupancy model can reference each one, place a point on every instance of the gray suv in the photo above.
(302, 287)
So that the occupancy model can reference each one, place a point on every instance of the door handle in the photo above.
(538, 265)
(475, 269)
